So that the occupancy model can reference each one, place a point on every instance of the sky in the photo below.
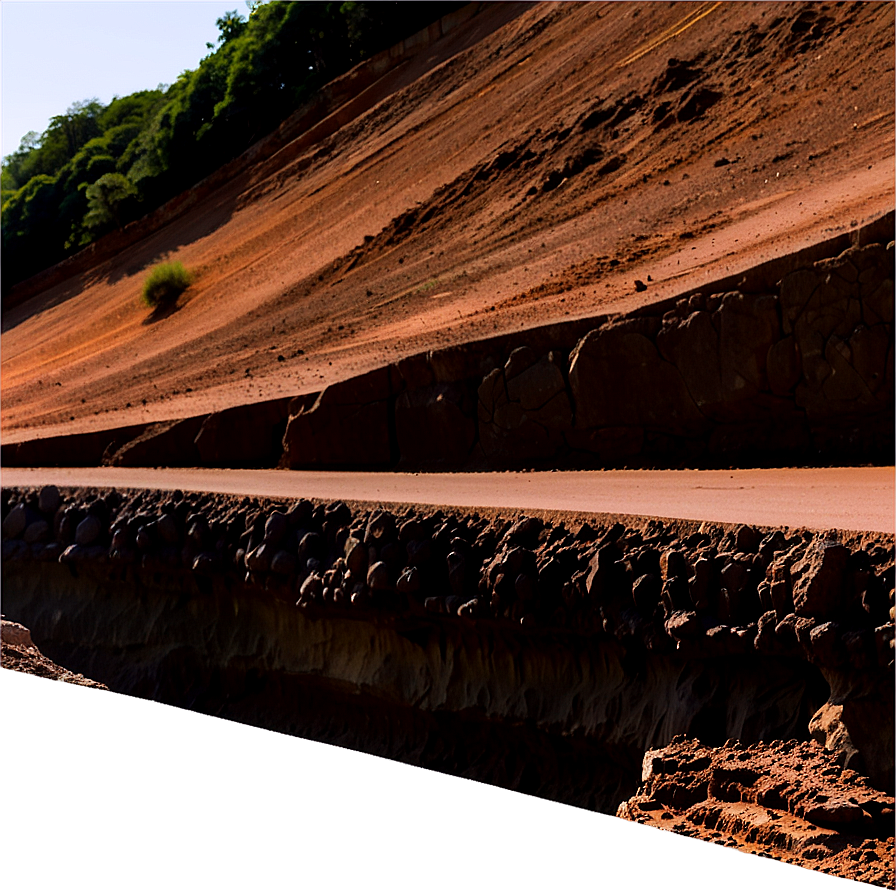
(56, 52)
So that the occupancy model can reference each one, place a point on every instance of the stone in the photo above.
(826, 645)
(519, 360)
(457, 363)
(722, 356)
(415, 372)
(408, 581)
(869, 348)
(746, 539)
(311, 545)
(619, 379)
(259, 558)
(819, 580)
(611, 444)
(877, 303)
(381, 527)
(276, 528)
(16, 522)
(524, 532)
(836, 813)
(524, 408)
(168, 528)
(646, 593)
(748, 327)
(49, 499)
(378, 577)
(540, 391)
(284, 563)
(204, 563)
(88, 531)
(844, 357)
(347, 426)
(764, 640)
(312, 590)
(37, 532)
(683, 626)
(246, 436)
(435, 425)
(457, 573)
(702, 583)
(355, 556)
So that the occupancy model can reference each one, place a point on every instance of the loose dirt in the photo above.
(20, 654)
(528, 167)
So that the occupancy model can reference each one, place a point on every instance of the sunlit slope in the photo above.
(530, 166)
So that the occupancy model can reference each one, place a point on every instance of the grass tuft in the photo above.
(165, 283)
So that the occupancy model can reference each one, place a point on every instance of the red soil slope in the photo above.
(529, 166)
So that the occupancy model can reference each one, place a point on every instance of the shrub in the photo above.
(165, 283)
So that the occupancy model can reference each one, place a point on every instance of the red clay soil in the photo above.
(528, 167)
(789, 801)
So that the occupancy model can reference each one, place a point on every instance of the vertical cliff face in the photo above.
(527, 653)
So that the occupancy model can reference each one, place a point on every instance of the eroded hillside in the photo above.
(529, 166)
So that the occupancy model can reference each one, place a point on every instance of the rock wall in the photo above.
(776, 372)
(800, 374)
(545, 655)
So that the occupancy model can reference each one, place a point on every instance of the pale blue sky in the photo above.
(56, 52)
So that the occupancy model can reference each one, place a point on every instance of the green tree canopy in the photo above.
(105, 199)
(96, 167)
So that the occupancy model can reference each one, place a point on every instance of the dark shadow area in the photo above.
(162, 311)
(104, 793)
(19, 314)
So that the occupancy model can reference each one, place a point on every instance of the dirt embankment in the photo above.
(793, 367)
(785, 800)
(544, 655)
(529, 167)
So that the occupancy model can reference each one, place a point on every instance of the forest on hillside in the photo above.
(96, 168)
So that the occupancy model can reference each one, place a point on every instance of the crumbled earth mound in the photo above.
(784, 800)
(19, 653)
(544, 162)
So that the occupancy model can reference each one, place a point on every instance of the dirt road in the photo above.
(856, 499)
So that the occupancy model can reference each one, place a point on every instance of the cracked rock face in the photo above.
(786, 800)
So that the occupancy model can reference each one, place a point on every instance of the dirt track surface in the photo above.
(849, 499)
(528, 167)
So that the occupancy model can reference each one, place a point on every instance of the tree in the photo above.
(106, 198)
(230, 25)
